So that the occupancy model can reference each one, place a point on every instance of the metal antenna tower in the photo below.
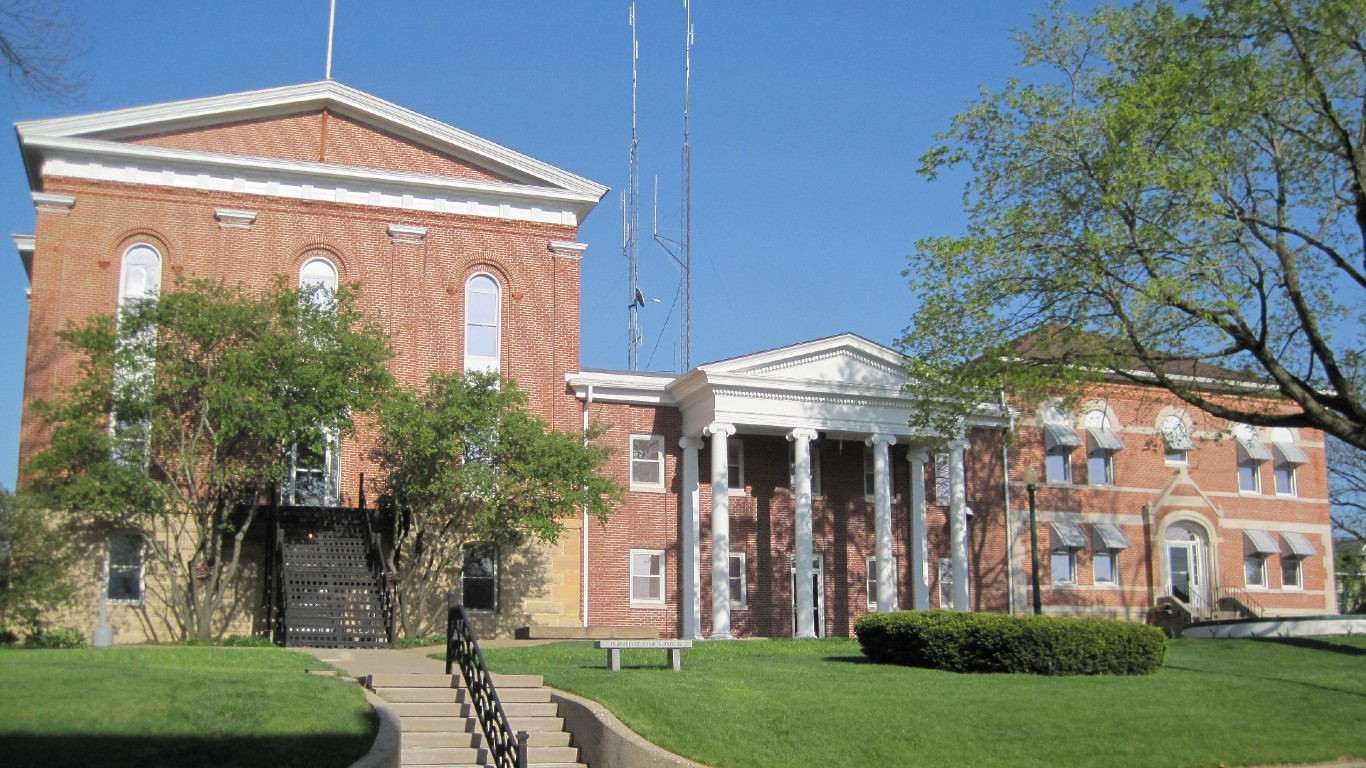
(630, 225)
(685, 331)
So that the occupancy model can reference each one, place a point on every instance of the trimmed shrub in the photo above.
(63, 637)
(985, 642)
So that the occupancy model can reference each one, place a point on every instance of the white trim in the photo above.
(51, 202)
(231, 218)
(635, 485)
(647, 602)
(484, 363)
(406, 233)
(743, 603)
(141, 569)
(297, 180)
(564, 249)
(735, 457)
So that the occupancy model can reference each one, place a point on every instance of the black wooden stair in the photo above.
(331, 589)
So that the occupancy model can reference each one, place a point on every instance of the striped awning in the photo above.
(1291, 453)
(1254, 448)
(1067, 535)
(1060, 436)
(1110, 536)
(1298, 544)
(1103, 439)
(1261, 542)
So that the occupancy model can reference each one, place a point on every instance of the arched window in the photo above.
(483, 305)
(318, 279)
(140, 274)
(1101, 445)
(139, 280)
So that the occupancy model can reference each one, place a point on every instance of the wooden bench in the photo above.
(614, 647)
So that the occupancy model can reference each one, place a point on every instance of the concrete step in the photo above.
(543, 755)
(441, 756)
(414, 681)
(451, 709)
(447, 739)
(534, 738)
(534, 724)
(407, 695)
(516, 681)
(511, 695)
(438, 725)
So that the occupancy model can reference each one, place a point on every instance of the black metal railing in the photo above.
(275, 587)
(1234, 599)
(507, 749)
(379, 566)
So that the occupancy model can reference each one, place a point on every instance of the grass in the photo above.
(200, 706)
(818, 702)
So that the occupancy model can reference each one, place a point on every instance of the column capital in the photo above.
(880, 438)
(960, 444)
(800, 432)
(719, 428)
(918, 457)
(687, 441)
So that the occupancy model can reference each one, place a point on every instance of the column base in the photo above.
(723, 636)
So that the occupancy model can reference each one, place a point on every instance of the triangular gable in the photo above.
(276, 134)
(845, 359)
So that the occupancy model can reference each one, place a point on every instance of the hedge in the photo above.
(985, 642)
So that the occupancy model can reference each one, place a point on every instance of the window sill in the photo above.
(648, 489)
(648, 606)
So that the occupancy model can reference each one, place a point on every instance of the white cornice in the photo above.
(406, 233)
(231, 218)
(621, 387)
(566, 250)
(26, 245)
(52, 202)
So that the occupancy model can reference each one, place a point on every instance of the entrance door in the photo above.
(1185, 565)
(817, 590)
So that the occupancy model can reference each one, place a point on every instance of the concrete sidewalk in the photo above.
(359, 662)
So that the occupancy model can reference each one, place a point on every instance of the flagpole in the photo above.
(331, 24)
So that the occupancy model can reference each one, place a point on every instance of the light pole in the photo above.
(1031, 478)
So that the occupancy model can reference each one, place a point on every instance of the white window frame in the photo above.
(141, 568)
(1261, 569)
(735, 466)
(1298, 564)
(330, 470)
(942, 491)
(741, 580)
(132, 442)
(483, 363)
(1284, 469)
(495, 578)
(1071, 554)
(1246, 462)
(646, 601)
(318, 270)
(869, 473)
(1112, 555)
(637, 485)
(1050, 474)
(1173, 424)
(870, 564)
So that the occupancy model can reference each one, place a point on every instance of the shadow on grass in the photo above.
(1282, 680)
(848, 659)
(67, 751)
(1314, 644)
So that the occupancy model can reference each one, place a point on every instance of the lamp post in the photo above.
(1031, 478)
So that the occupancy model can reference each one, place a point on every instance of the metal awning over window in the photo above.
(1254, 448)
(1110, 536)
(1261, 542)
(1103, 439)
(1060, 436)
(1067, 535)
(1298, 544)
(1291, 453)
(1177, 439)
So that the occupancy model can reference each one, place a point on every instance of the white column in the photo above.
(801, 469)
(958, 526)
(720, 531)
(692, 549)
(882, 522)
(920, 553)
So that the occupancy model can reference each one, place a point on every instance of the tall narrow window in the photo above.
(123, 568)
(479, 577)
(1059, 440)
(1101, 445)
(871, 565)
(1067, 540)
(941, 479)
(647, 462)
(869, 475)
(1295, 548)
(1251, 454)
(738, 592)
(1287, 458)
(483, 309)
(318, 280)
(1257, 546)
(735, 467)
(139, 280)
(1176, 438)
(815, 468)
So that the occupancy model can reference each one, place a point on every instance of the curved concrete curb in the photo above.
(387, 751)
(606, 742)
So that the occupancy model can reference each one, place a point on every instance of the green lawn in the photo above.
(817, 702)
(181, 706)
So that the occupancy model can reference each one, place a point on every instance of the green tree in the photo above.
(1167, 189)
(35, 566)
(184, 418)
(464, 461)
(1347, 488)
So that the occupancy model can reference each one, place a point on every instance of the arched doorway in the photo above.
(1186, 556)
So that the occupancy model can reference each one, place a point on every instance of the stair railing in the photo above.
(275, 594)
(1241, 601)
(379, 566)
(508, 750)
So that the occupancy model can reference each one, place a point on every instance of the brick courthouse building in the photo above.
(773, 494)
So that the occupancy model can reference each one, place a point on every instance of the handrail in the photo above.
(275, 622)
(508, 751)
(375, 556)
(1244, 601)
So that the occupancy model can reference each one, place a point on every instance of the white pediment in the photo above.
(847, 360)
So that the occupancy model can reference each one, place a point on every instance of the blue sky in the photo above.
(808, 121)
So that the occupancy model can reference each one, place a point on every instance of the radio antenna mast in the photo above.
(630, 235)
(686, 244)
(331, 25)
